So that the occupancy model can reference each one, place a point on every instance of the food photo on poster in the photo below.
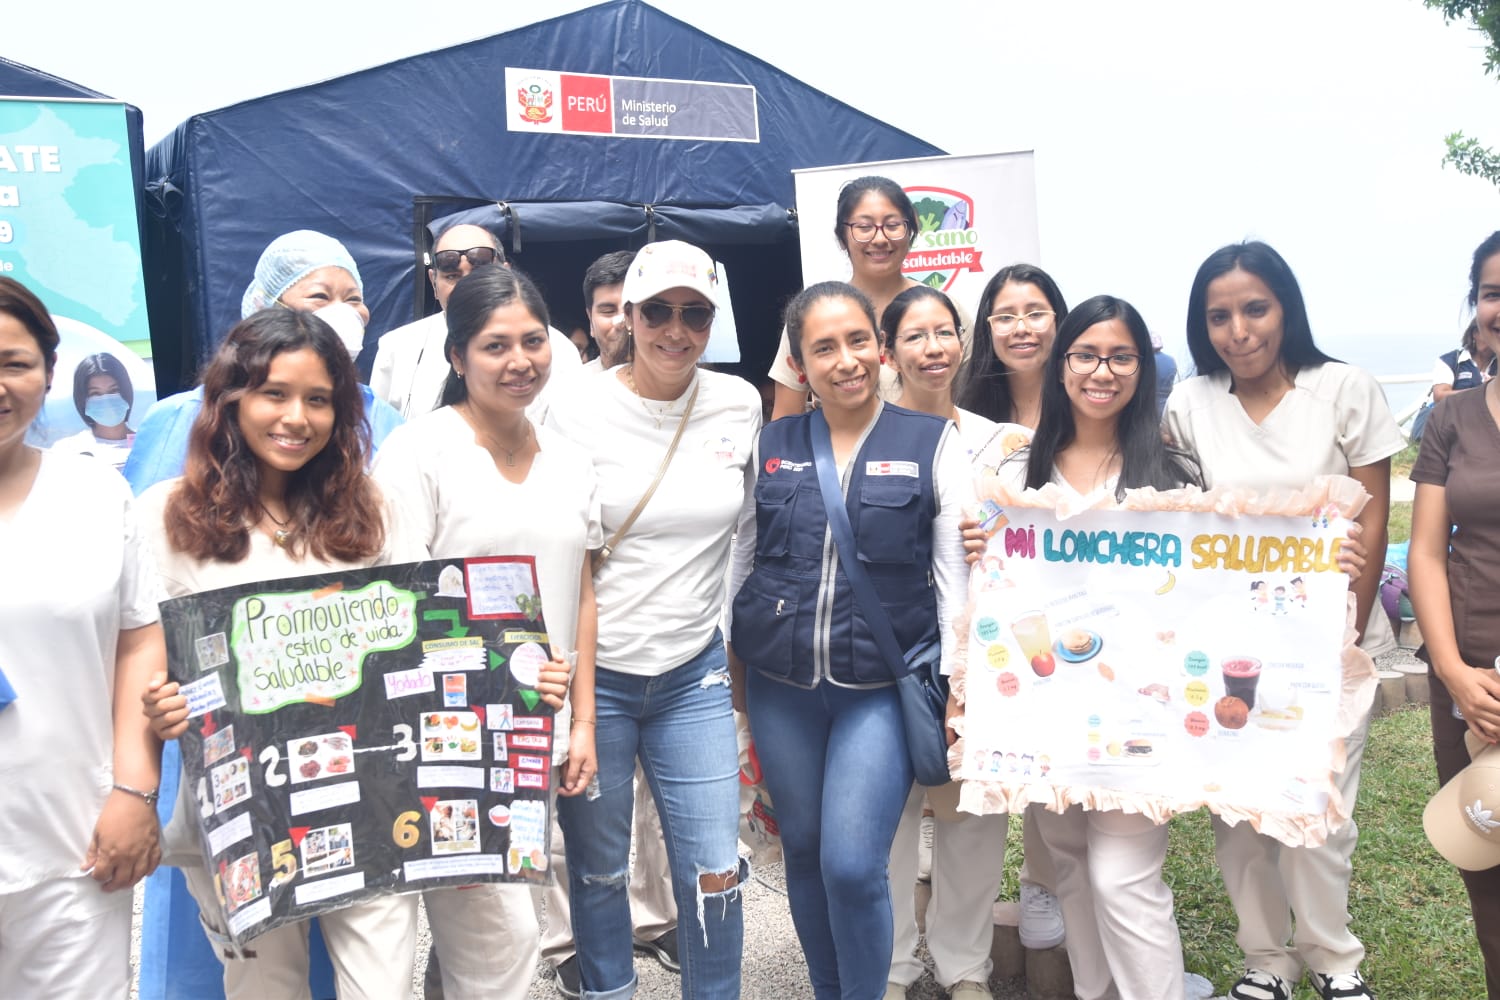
(365, 732)
(1164, 659)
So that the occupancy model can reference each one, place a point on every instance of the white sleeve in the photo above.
(1368, 432)
(140, 585)
(384, 371)
(742, 556)
(1441, 373)
(781, 369)
(954, 485)
(400, 473)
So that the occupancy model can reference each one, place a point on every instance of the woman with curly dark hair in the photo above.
(275, 487)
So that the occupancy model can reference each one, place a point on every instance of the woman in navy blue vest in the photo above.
(822, 703)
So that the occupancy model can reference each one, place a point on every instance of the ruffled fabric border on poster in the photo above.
(1358, 690)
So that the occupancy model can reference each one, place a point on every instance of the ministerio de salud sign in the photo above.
(629, 107)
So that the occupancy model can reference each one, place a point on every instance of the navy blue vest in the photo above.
(786, 611)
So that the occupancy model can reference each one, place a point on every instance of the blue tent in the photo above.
(376, 157)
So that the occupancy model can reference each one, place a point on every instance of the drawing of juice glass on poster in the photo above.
(1164, 659)
(364, 732)
(68, 232)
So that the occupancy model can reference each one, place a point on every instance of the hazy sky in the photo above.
(1162, 130)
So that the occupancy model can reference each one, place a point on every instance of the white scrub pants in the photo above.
(968, 867)
(372, 945)
(66, 939)
(1270, 884)
(1122, 934)
(486, 940)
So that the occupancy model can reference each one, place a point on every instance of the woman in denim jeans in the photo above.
(822, 701)
(662, 686)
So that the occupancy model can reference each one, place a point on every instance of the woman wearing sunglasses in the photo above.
(876, 223)
(1096, 437)
(671, 447)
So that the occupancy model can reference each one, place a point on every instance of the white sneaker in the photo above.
(895, 991)
(968, 989)
(1041, 918)
(924, 850)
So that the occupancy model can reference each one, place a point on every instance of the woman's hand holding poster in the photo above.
(1160, 660)
(364, 732)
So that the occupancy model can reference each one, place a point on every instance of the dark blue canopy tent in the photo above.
(376, 157)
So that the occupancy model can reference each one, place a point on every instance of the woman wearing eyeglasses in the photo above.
(1096, 437)
(876, 223)
(1021, 306)
(1269, 411)
(920, 333)
(671, 447)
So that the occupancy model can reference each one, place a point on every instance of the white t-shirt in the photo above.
(78, 572)
(104, 449)
(1334, 418)
(411, 367)
(460, 505)
(661, 593)
(182, 574)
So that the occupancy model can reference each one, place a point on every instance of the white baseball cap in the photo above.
(670, 264)
(1463, 818)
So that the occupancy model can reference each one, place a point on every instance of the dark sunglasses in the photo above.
(695, 318)
(447, 260)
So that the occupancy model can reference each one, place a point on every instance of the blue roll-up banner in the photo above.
(68, 232)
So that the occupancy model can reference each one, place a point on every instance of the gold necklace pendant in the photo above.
(280, 537)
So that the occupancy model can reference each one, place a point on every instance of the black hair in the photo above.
(100, 364)
(1482, 253)
(21, 304)
(851, 194)
(890, 320)
(802, 303)
(476, 296)
(607, 270)
(983, 386)
(1253, 257)
(1145, 460)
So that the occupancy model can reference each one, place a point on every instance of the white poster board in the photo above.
(975, 215)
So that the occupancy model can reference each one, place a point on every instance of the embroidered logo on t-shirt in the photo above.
(891, 469)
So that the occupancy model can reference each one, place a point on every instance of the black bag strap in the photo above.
(843, 539)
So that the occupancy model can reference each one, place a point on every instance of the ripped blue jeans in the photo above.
(681, 725)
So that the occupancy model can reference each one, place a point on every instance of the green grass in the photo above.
(1408, 904)
(1398, 525)
(1403, 460)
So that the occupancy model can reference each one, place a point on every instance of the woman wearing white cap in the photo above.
(671, 445)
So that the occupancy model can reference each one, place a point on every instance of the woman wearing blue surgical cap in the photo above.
(103, 393)
(303, 270)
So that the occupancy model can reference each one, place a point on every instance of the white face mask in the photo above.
(347, 323)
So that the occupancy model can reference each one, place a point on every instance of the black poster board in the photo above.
(365, 732)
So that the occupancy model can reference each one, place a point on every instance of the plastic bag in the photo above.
(759, 831)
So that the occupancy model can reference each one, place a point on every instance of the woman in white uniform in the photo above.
(79, 641)
(275, 487)
(1097, 437)
(920, 332)
(476, 477)
(1268, 411)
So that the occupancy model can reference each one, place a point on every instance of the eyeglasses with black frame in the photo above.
(1087, 363)
(864, 232)
(447, 261)
(657, 314)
